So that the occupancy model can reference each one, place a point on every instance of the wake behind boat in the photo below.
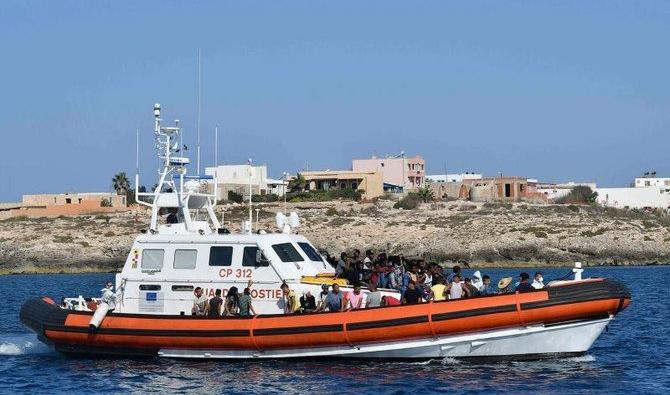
(150, 313)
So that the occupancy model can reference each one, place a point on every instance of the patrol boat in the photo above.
(150, 312)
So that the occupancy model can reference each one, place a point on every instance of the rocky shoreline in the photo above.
(473, 234)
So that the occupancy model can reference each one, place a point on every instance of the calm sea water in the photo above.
(634, 355)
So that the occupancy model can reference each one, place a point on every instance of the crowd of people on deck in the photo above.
(414, 281)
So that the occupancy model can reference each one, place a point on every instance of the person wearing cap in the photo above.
(323, 295)
(524, 284)
(538, 281)
(504, 285)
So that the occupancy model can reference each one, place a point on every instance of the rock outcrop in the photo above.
(481, 234)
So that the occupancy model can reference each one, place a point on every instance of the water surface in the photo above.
(634, 355)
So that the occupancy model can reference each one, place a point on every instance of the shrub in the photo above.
(235, 197)
(331, 211)
(268, 198)
(425, 194)
(541, 235)
(409, 202)
(581, 194)
(322, 196)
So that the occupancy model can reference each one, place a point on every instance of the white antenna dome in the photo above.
(293, 220)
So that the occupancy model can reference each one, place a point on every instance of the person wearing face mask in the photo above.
(538, 281)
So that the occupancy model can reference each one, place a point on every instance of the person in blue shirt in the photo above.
(486, 288)
(524, 284)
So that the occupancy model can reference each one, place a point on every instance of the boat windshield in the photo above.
(287, 253)
(311, 253)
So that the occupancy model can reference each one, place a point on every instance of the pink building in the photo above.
(397, 172)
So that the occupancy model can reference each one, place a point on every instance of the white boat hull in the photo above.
(512, 343)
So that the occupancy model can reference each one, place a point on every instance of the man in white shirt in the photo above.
(538, 281)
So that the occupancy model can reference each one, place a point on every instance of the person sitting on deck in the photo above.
(456, 271)
(538, 281)
(307, 303)
(486, 288)
(412, 295)
(355, 299)
(323, 295)
(472, 290)
(291, 302)
(524, 284)
(456, 288)
(438, 290)
(199, 302)
(334, 299)
(244, 303)
(232, 304)
(374, 298)
(213, 308)
(504, 285)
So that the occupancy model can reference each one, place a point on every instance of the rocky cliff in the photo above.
(481, 234)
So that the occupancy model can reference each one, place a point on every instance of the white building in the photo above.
(634, 197)
(642, 182)
(556, 191)
(454, 177)
(277, 187)
(238, 177)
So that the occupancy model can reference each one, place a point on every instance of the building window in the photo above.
(68, 201)
(354, 185)
(646, 183)
(343, 185)
(508, 190)
(382, 164)
(185, 259)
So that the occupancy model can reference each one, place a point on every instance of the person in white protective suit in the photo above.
(477, 280)
(109, 296)
(108, 302)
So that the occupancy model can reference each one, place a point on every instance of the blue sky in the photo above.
(552, 90)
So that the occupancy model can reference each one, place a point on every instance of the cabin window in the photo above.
(311, 253)
(287, 253)
(150, 287)
(253, 256)
(152, 260)
(185, 259)
(182, 288)
(220, 256)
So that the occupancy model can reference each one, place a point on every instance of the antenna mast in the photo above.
(199, 108)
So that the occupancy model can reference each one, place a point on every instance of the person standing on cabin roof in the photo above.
(199, 302)
(214, 305)
(355, 299)
(244, 302)
(334, 299)
(367, 261)
(342, 266)
(538, 281)
(323, 295)
(291, 302)
(524, 284)
(374, 298)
